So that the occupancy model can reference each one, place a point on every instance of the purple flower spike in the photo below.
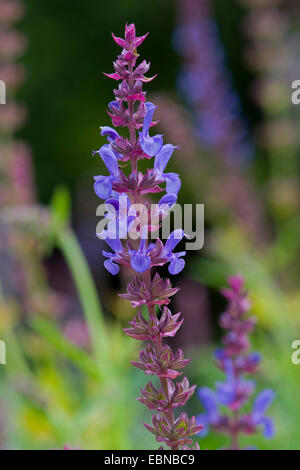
(122, 191)
(150, 145)
(236, 361)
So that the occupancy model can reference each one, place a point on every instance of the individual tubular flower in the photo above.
(150, 145)
(172, 180)
(111, 264)
(104, 184)
(236, 362)
(175, 259)
(130, 109)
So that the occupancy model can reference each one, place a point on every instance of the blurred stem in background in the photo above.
(68, 244)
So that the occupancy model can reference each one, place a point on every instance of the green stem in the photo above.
(68, 244)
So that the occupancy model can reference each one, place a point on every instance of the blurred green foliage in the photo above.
(56, 393)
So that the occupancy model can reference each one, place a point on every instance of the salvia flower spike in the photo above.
(131, 110)
(237, 362)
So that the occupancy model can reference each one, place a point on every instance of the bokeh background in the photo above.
(223, 92)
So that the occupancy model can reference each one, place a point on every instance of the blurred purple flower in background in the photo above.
(236, 362)
(206, 84)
